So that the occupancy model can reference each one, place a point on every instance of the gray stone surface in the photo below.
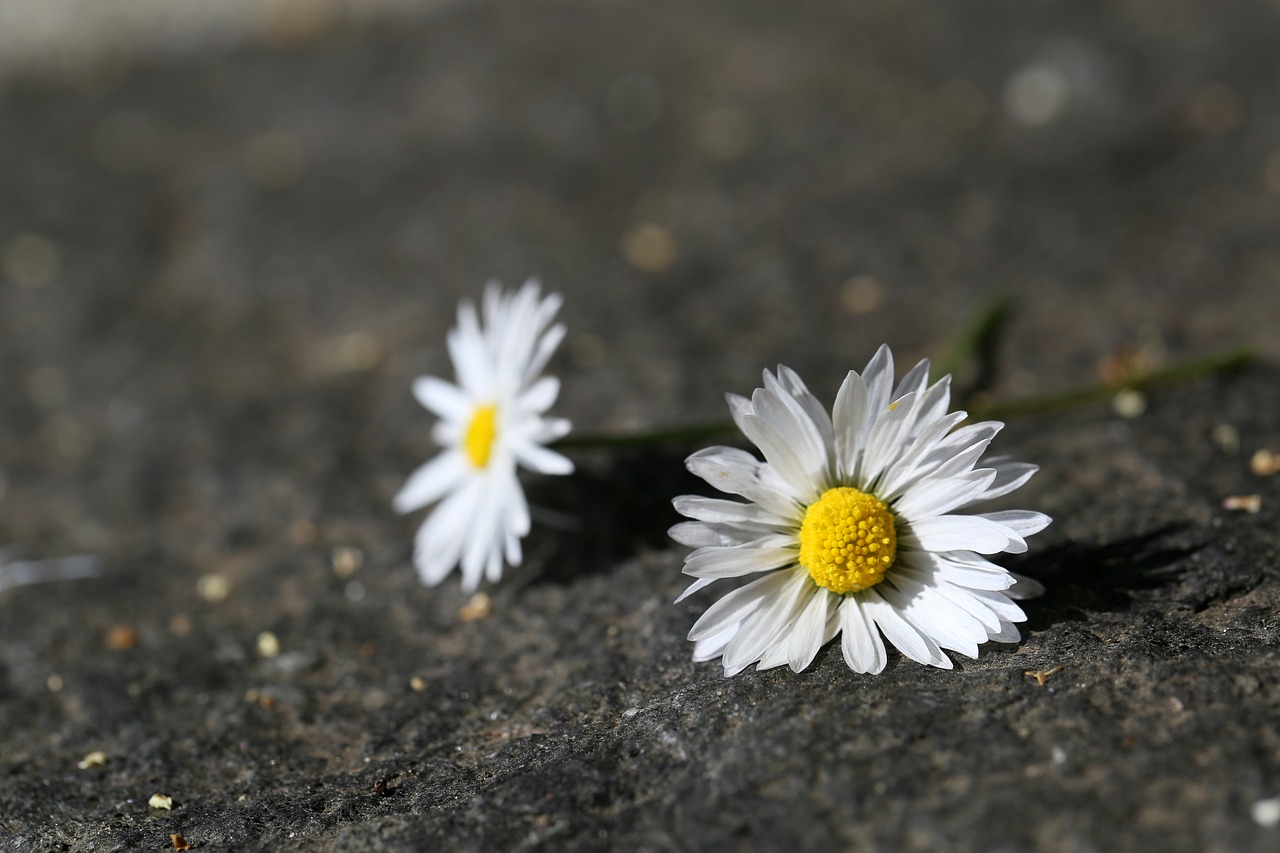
(222, 271)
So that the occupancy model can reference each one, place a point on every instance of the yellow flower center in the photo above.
(847, 540)
(481, 432)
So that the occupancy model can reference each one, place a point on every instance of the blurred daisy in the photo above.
(851, 527)
(491, 421)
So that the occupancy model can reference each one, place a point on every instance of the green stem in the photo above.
(675, 435)
(978, 337)
(1185, 372)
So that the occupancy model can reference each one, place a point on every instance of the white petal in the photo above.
(859, 641)
(935, 617)
(879, 378)
(695, 534)
(762, 628)
(440, 539)
(961, 533)
(999, 604)
(737, 472)
(715, 509)
(472, 361)
(904, 637)
(962, 598)
(712, 647)
(902, 473)
(934, 401)
(965, 437)
(850, 418)
(792, 382)
(540, 396)
(932, 497)
(794, 425)
(968, 576)
(739, 407)
(735, 562)
(1024, 522)
(1024, 587)
(700, 583)
(1010, 476)
(781, 456)
(535, 457)
(545, 349)
(736, 606)
(444, 399)
(914, 382)
(547, 430)
(806, 635)
(887, 439)
(430, 482)
(1008, 633)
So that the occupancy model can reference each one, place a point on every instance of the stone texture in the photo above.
(256, 248)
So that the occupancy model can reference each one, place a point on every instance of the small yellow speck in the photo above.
(479, 607)
(161, 801)
(97, 758)
(1128, 403)
(417, 684)
(268, 645)
(213, 588)
(1245, 503)
(1265, 462)
(346, 560)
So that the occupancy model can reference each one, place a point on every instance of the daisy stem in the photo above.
(675, 435)
(978, 337)
(1186, 371)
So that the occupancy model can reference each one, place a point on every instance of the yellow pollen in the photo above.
(847, 540)
(483, 429)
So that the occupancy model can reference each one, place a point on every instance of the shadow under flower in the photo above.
(1104, 578)
(614, 506)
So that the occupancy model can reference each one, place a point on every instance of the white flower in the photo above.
(851, 527)
(490, 422)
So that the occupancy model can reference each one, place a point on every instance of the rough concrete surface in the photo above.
(222, 270)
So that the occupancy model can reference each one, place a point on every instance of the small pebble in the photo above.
(161, 801)
(1266, 812)
(1245, 503)
(479, 607)
(346, 560)
(97, 758)
(213, 588)
(268, 645)
(121, 638)
(1265, 463)
(1129, 403)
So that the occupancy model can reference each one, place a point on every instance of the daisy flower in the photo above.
(491, 421)
(851, 526)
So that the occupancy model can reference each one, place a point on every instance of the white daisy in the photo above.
(851, 527)
(492, 420)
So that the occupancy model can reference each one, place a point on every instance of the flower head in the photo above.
(852, 526)
(491, 421)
